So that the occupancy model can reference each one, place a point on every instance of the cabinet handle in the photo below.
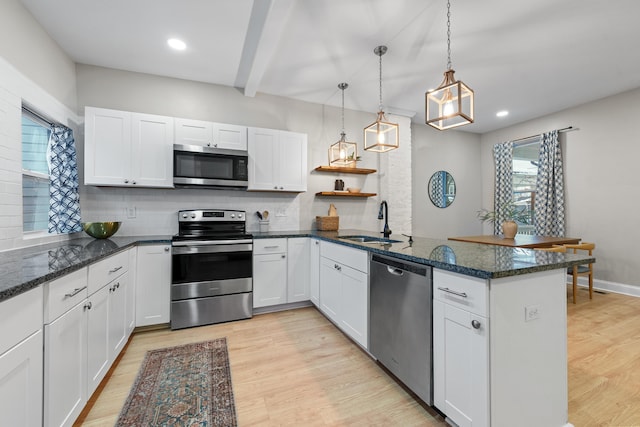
(316, 242)
(275, 188)
(283, 256)
(87, 306)
(282, 188)
(75, 292)
(337, 267)
(215, 145)
(115, 269)
(166, 249)
(133, 182)
(449, 291)
(475, 324)
(126, 181)
(272, 247)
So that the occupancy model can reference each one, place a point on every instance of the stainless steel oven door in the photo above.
(211, 261)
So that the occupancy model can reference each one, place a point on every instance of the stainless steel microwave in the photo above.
(208, 167)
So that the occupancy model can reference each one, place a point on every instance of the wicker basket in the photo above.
(327, 223)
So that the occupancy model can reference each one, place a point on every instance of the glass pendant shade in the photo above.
(381, 136)
(450, 105)
(343, 153)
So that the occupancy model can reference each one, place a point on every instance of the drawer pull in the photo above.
(75, 292)
(449, 291)
(476, 324)
(272, 247)
(115, 269)
(88, 306)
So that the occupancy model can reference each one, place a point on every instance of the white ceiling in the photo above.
(529, 57)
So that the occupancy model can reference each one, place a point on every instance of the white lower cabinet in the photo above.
(65, 367)
(97, 338)
(280, 271)
(344, 289)
(21, 360)
(153, 285)
(460, 355)
(314, 272)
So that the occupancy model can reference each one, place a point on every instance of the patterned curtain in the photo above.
(64, 200)
(549, 207)
(503, 156)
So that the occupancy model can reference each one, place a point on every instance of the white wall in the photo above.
(33, 69)
(601, 179)
(457, 153)
(156, 209)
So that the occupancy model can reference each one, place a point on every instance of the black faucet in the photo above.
(386, 232)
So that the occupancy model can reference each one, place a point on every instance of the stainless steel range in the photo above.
(211, 268)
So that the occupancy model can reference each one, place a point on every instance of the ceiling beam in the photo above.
(263, 35)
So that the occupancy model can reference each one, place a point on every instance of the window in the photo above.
(35, 172)
(525, 174)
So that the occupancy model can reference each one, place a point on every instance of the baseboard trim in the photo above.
(603, 285)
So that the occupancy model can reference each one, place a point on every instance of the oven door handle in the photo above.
(211, 249)
(210, 242)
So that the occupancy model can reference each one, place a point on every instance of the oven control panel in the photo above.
(211, 215)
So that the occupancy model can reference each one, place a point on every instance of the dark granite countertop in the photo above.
(26, 268)
(471, 259)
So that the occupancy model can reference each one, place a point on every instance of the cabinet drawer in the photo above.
(20, 316)
(102, 272)
(467, 293)
(62, 294)
(354, 258)
(269, 246)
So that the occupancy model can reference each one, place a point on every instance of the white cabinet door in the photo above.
(152, 150)
(98, 361)
(230, 137)
(269, 279)
(298, 269)
(117, 315)
(355, 303)
(330, 289)
(461, 357)
(293, 162)
(21, 383)
(193, 132)
(128, 149)
(108, 153)
(65, 367)
(277, 160)
(153, 285)
(314, 272)
(263, 159)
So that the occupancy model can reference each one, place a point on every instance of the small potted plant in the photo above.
(511, 214)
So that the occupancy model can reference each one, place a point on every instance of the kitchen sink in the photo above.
(368, 239)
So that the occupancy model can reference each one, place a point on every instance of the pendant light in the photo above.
(451, 104)
(343, 153)
(381, 135)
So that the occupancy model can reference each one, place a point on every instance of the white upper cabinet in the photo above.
(209, 134)
(127, 149)
(277, 160)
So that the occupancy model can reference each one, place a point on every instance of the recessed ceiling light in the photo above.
(177, 44)
(502, 113)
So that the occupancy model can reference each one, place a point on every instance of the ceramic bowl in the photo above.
(353, 190)
(101, 230)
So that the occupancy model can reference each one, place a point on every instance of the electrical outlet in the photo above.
(531, 312)
(281, 212)
(131, 212)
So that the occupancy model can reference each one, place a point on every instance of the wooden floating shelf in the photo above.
(359, 171)
(344, 194)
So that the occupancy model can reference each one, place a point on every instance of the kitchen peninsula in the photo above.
(514, 360)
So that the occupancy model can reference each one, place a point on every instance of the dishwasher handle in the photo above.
(395, 271)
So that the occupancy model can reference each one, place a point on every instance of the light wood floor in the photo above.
(296, 368)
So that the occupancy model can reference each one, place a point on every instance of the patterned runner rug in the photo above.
(188, 385)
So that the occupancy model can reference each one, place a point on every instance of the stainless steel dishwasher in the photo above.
(400, 315)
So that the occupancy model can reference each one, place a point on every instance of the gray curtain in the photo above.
(64, 199)
(503, 156)
(549, 206)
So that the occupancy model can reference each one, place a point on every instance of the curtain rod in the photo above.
(567, 129)
(38, 115)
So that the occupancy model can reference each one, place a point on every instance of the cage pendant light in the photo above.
(451, 104)
(343, 153)
(381, 135)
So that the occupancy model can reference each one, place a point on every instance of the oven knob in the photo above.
(185, 216)
(240, 216)
(233, 215)
(193, 215)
